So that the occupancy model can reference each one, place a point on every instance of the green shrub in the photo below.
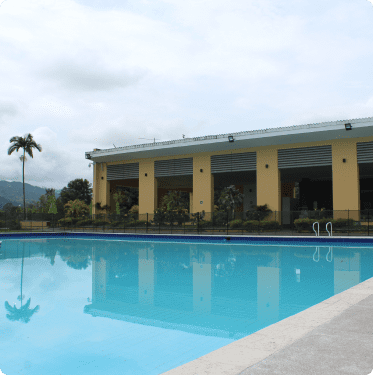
(220, 218)
(270, 225)
(116, 223)
(178, 217)
(343, 223)
(307, 223)
(14, 224)
(258, 213)
(99, 223)
(319, 214)
(159, 217)
(136, 223)
(236, 224)
(134, 209)
(251, 225)
(67, 222)
(255, 225)
(204, 224)
(2, 223)
(84, 222)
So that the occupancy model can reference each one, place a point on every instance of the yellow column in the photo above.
(101, 187)
(203, 185)
(202, 283)
(268, 179)
(95, 188)
(268, 287)
(268, 293)
(98, 279)
(346, 271)
(146, 275)
(346, 184)
(148, 188)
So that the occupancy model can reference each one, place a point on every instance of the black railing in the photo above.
(286, 223)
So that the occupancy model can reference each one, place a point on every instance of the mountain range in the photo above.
(12, 192)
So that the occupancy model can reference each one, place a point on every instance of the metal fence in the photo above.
(286, 223)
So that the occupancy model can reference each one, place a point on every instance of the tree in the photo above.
(77, 189)
(42, 204)
(174, 201)
(60, 205)
(76, 208)
(125, 198)
(230, 198)
(26, 143)
(10, 208)
(50, 192)
(53, 206)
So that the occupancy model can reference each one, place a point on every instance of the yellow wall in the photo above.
(346, 185)
(147, 187)
(268, 180)
(34, 224)
(203, 184)
(101, 187)
(94, 188)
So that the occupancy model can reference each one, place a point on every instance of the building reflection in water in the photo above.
(228, 291)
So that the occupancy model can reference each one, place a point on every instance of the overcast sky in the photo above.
(92, 73)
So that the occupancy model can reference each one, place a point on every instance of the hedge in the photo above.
(306, 223)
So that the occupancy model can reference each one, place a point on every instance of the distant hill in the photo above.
(13, 192)
(3, 202)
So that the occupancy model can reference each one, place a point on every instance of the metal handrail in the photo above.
(331, 228)
(318, 228)
(331, 254)
(318, 254)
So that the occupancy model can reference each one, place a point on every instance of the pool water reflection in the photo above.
(89, 306)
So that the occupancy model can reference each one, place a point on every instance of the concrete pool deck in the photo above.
(332, 337)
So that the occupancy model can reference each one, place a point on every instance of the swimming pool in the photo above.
(144, 306)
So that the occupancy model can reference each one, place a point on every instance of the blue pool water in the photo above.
(93, 306)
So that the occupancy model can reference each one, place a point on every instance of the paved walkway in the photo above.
(333, 337)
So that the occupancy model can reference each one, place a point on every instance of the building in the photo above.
(326, 165)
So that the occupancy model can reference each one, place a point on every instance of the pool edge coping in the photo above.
(228, 238)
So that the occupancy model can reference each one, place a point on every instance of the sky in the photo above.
(88, 74)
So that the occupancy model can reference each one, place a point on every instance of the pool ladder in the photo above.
(330, 252)
(331, 228)
(318, 228)
(329, 256)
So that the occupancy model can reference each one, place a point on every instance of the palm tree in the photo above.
(27, 143)
(24, 313)
(231, 198)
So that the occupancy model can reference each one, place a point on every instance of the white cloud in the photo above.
(7, 108)
(87, 74)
